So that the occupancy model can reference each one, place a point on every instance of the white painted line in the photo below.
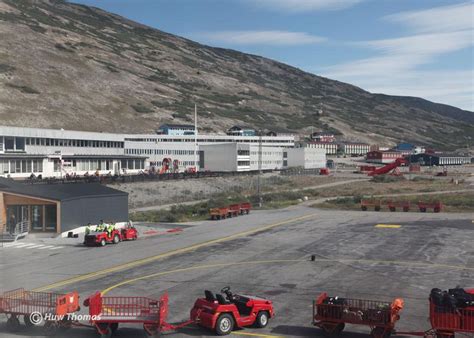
(34, 246)
(58, 247)
(24, 245)
(9, 245)
(46, 247)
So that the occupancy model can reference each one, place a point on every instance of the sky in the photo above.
(399, 47)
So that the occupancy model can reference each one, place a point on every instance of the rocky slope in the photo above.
(70, 66)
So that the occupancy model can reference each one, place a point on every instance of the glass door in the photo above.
(37, 218)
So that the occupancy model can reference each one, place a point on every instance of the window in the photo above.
(9, 143)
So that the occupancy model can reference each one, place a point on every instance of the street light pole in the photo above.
(196, 149)
(259, 167)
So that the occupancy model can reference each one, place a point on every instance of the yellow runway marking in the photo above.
(323, 260)
(389, 226)
(168, 254)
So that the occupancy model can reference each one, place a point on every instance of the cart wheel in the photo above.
(116, 239)
(114, 327)
(247, 212)
(103, 242)
(50, 328)
(333, 330)
(423, 209)
(103, 329)
(364, 208)
(381, 332)
(392, 209)
(224, 324)
(406, 209)
(27, 321)
(377, 208)
(13, 324)
(262, 319)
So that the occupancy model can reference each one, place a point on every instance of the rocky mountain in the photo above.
(64, 65)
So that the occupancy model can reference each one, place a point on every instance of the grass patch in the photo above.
(4, 68)
(140, 108)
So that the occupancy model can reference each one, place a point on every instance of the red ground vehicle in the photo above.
(21, 302)
(388, 168)
(224, 313)
(324, 171)
(331, 314)
(102, 238)
(129, 233)
(218, 213)
(394, 205)
(365, 204)
(234, 210)
(436, 206)
(108, 312)
(245, 208)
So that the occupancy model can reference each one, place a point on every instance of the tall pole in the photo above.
(196, 148)
(259, 167)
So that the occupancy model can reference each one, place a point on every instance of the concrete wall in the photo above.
(79, 212)
(308, 157)
(220, 157)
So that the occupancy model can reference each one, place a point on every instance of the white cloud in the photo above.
(439, 19)
(271, 37)
(304, 5)
(395, 69)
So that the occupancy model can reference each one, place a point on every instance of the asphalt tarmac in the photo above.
(366, 255)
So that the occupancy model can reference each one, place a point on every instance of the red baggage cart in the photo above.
(234, 210)
(332, 315)
(445, 322)
(436, 206)
(394, 205)
(218, 213)
(107, 313)
(365, 204)
(245, 208)
(37, 307)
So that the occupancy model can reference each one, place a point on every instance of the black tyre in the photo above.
(224, 324)
(13, 324)
(113, 327)
(103, 242)
(364, 208)
(27, 321)
(262, 319)
(392, 209)
(377, 208)
(50, 328)
(380, 332)
(331, 330)
(423, 209)
(116, 239)
(406, 209)
(437, 210)
(247, 212)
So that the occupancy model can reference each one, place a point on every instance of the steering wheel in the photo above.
(225, 289)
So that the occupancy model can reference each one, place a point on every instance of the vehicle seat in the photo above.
(221, 299)
(210, 296)
(241, 305)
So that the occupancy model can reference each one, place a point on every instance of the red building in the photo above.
(383, 156)
(322, 137)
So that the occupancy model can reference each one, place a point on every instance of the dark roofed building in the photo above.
(241, 131)
(58, 207)
(439, 159)
(176, 129)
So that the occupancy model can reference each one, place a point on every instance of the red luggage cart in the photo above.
(365, 204)
(37, 307)
(107, 313)
(403, 205)
(445, 322)
(234, 210)
(379, 316)
(245, 208)
(436, 206)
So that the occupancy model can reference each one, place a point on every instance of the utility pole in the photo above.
(196, 148)
(259, 167)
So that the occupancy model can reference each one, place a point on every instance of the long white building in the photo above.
(55, 153)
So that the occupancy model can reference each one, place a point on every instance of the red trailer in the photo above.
(366, 204)
(245, 208)
(129, 233)
(107, 313)
(234, 210)
(218, 213)
(436, 206)
(394, 205)
(36, 306)
(324, 171)
(332, 314)
(102, 238)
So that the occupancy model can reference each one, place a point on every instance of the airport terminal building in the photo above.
(57, 153)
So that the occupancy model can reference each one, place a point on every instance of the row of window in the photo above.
(158, 152)
(73, 143)
(21, 166)
(190, 139)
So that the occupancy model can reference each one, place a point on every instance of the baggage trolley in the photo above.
(38, 307)
(379, 316)
(106, 313)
